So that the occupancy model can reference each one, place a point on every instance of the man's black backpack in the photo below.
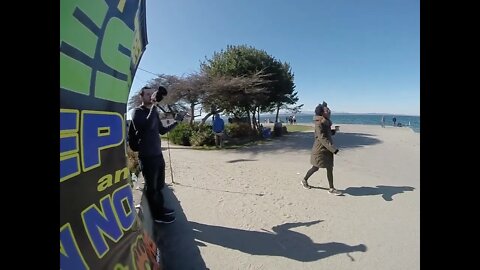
(133, 137)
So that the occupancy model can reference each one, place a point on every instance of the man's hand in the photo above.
(179, 116)
(153, 97)
(156, 97)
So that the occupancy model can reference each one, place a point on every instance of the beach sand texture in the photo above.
(246, 208)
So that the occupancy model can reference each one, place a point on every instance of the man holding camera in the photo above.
(147, 122)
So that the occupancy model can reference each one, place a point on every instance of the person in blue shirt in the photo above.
(218, 128)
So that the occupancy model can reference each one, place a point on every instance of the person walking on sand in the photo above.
(383, 121)
(218, 128)
(394, 119)
(323, 148)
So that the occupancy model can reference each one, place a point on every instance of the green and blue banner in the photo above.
(101, 44)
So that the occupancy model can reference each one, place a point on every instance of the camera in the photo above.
(159, 94)
(179, 116)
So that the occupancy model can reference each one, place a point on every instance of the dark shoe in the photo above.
(165, 219)
(305, 184)
(168, 211)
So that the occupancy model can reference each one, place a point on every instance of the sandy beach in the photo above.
(246, 209)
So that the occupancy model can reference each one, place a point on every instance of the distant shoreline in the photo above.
(343, 113)
(337, 124)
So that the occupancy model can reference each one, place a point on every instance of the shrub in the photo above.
(238, 130)
(203, 136)
(181, 134)
(133, 165)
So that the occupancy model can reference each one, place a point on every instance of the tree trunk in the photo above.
(258, 115)
(276, 116)
(249, 118)
(253, 120)
(192, 113)
(205, 118)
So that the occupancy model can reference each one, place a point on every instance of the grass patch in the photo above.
(233, 144)
(229, 143)
(243, 143)
(295, 128)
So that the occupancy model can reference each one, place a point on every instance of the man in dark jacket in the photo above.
(147, 122)
(323, 148)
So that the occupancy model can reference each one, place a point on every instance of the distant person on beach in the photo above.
(218, 128)
(294, 119)
(383, 121)
(323, 148)
(394, 119)
(149, 126)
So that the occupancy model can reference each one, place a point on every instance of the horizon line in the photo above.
(363, 113)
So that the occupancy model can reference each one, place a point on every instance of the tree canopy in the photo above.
(240, 80)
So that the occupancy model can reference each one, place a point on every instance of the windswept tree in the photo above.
(241, 81)
(190, 91)
(247, 62)
(283, 94)
(171, 102)
(233, 94)
(168, 81)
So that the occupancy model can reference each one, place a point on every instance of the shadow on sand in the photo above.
(387, 192)
(240, 160)
(280, 242)
(303, 141)
(176, 240)
(354, 140)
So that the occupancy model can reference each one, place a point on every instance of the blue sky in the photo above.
(358, 56)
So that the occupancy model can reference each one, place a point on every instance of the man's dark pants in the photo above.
(153, 170)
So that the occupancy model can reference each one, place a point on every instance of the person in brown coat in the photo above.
(323, 148)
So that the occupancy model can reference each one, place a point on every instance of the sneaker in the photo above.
(305, 184)
(168, 211)
(165, 219)
(334, 192)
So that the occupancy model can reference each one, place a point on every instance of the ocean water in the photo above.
(412, 122)
(363, 119)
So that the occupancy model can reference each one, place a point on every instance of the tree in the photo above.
(164, 80)
(241, 81)
(232, 94)
(191, 90)
(170, 103)
(243, 62)
(283, 87)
